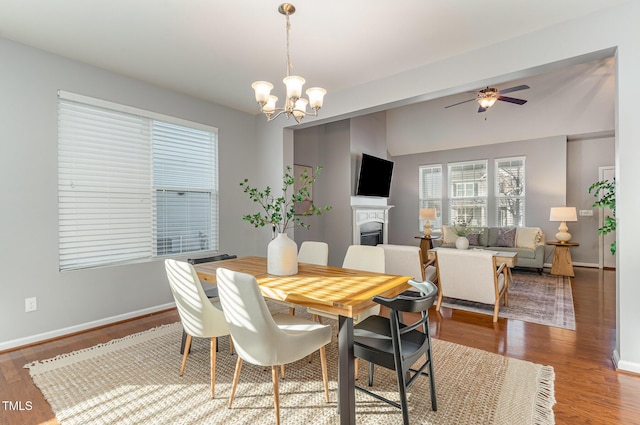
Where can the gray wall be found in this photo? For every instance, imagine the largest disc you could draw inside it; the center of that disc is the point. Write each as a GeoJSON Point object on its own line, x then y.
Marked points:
{"type": "Point", "coordinates": [328, 146]}
{"type": "Point", "coordinates": [73, 300]}
{"type": "Point", "coordinates": [546, 164]}
{"type": "Point", "coordinates": [585, 155]}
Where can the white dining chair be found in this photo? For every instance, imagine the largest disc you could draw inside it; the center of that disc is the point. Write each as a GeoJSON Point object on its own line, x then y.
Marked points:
{"type": "Point", "coordinates": [406, 260]}
{"type": "Point", "coordinates": [265, 340]}
{"type": "Point", "coordinates": [200, 316]}
{"type": "Point", "coordinates": [313, 252]}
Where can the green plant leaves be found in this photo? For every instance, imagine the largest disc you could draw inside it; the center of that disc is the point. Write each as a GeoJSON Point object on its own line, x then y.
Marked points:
{"type": "Point", "coordinates": [280, 211]}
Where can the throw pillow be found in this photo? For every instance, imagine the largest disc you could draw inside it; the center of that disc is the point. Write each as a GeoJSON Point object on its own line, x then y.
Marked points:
{"type": "Point", "coordinates": [528, 237]}
{"type": "Point", "coordinates": [506, 237]}
{"type": "Point", "coordinates": [474, 239]}
{"type": "Point", "coordinates": [448, 235]}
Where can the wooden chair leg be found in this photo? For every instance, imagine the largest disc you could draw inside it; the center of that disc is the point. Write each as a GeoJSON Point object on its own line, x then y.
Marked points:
{"type": "Point", "coordinates": [292, 311]}
{"type": "Point", "coordinates": [325, 377]}
{"type": "Point", "coordinates": [276, 393]}
{"type": "Point", "coordinates": [213, 366]}
{"type": "Point", "coordinates": [187, 346]}
{"type": "Point", "coordinates": [282, 371]}
{"type": "Point", "coordinates": [230, 345]}
{"type": "Point", "coordinates": [496, 308]}
{"type": "Point", "coordinates": [236, 377]}
{"type": "Point", "coordinates": [356, 363]}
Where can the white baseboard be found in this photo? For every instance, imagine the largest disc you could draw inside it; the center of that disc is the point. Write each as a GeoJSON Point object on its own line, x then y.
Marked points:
{"type": "Point", "coordinates": [7, 345]}
{"type": "Point", "coordinates": [624, 365]}
{"type": "Point", "coordinates": [592, 265]}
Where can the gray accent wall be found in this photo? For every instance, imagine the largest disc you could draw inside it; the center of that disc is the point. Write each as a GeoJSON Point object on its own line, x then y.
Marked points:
{"type": "Point", "coordinates": [546, 170]}
{"type": "Point", "coordinates": [75, 300]}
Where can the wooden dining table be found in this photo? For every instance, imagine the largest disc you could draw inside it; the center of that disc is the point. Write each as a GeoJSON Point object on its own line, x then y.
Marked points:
{"type": "Point", "coordinates": [334, 290]}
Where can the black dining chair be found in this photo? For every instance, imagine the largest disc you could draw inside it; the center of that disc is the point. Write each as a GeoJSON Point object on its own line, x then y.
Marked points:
{"type": "Point", "coordinates": [395, 345]}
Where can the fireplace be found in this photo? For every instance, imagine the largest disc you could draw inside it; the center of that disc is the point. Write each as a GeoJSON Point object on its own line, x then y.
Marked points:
{"type": "Point", "coordinates": [370, 224]}
{"type": "Point", "coordinates": [371, 233]}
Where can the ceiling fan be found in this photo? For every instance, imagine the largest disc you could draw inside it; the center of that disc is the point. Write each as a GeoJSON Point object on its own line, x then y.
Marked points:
{"type": "Point", "coordinates": [488, 96]}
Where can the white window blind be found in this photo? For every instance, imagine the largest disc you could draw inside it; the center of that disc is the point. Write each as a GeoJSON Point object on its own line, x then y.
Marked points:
{"type": "Point", "coordinates": [430, 188]}
{"type": "Point", "coordinates": [186, 200]}
{"type": "Point", "coordinates": [468, 193]}
{"type": "Point", "coordinates": [510, 191]}
{"type": "Point", "coordinates": [130, 183]}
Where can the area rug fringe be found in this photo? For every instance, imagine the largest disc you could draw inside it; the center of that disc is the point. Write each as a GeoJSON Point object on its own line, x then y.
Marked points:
{"type": "Point", "coordinates": [543, 411]}
{"type": "Point", "coordinates": [62, 360]}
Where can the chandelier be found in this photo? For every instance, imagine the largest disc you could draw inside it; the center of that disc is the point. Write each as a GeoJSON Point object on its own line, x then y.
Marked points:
{"type": "Point", "coordinates": [487, 97]}
{"type": "Point", "coordinates": [294, 103]}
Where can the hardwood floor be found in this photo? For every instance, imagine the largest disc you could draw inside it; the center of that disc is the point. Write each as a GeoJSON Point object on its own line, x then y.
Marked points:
{"type": "Point", "coordinates": [587, 388]}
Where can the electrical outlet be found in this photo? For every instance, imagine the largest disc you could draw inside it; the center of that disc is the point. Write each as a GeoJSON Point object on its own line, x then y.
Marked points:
{"type": "Point", "coordinates": [30, 304]}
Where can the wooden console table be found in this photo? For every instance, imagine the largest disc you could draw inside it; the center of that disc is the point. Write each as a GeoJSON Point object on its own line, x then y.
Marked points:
{"type": "Point", "coordinates": [562, 264]}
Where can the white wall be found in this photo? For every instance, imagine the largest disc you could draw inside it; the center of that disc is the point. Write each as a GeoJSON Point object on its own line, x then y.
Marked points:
{"type": "Point", "coordinates": [69, 301]}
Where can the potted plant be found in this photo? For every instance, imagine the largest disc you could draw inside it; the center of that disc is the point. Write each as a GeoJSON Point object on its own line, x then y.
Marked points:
{"type": "Point", "coordinates": [280, 213]}
{"type": "Point", "coordinates": [605, 192]}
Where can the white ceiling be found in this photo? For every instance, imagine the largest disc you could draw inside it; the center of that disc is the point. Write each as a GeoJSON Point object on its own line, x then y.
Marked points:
{"type": "Point", "coordinates": [214, 49]}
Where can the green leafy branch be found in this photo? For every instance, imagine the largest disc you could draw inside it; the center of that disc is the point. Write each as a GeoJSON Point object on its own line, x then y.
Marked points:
{"type": "Point", "coordinates": [279, 211]}
{"type": "Point", "coordinates": [605, 192]}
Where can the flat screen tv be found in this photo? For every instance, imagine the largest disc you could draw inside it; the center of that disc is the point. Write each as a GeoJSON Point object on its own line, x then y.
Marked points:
{"type": "Point", "coordinates": [375, 177]}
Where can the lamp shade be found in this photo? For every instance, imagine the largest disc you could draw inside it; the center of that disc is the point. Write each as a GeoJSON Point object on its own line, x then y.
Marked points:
{"type": "Point", "coordinates": [563, 214]}
{"type": "Point", "coordinates": [427, 213]}
{"type": "Point", "coordinates": [294, 86]}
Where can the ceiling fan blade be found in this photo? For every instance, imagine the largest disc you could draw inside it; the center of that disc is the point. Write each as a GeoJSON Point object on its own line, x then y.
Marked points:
{"type": "Point", "coordinates": [460, 103]}
{"type": "Point", "coordinates": [512, 100]}
{"type": "Point", "coordinates": [512, 89]}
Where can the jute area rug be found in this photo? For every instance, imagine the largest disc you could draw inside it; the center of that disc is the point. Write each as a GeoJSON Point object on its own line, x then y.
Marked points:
{"type": "Point", "coordinates": [544, 299]}
{"type": "Point", "coordinates": [134, 380]}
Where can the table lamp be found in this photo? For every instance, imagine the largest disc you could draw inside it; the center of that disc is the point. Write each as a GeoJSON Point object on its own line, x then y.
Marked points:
{"type": "Point", "coordinates": [563, 214]}
{"type": "Point", "coordinates": [427, 214]}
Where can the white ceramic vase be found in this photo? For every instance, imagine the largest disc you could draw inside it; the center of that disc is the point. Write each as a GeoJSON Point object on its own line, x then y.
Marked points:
{"type": "Point", "coordinates": [282, 256]}
{"type": "Point", "coordinates": [462, 242]}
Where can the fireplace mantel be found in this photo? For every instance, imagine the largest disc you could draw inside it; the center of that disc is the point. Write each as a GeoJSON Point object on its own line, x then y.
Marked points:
{"type": "Point", "coordinates": [370, 213]}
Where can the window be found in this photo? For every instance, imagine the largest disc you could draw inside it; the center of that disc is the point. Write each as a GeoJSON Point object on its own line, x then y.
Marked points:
{"type": "Point", "coordinates": [468, 193]}
{"type": "Point", "coordinates": [510, 193]}
{"type": "Point", "coordinates": [132, 184]}
{"type": "Point", "coordinates": [430, 186]}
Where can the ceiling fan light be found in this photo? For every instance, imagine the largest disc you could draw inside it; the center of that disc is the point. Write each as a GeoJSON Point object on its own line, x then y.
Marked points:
{"type": "Point", "coordinates": [487, 101]}
{"type": "Point", "coordinates": [262, 89]}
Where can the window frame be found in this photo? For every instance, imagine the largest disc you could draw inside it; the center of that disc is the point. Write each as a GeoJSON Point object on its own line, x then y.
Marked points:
{"type": "Point", "coordinates": [142, 253]}
{"type": "Point", "coordinates": [477, 203]}
{"type": "Point", "coordinates": [433, 201]}
{"type": "Point", "coordinates": [500, 197]}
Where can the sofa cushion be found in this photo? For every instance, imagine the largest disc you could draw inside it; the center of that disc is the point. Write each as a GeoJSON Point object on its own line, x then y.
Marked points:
{"type": "Point", "coordinates": [448, 235]}
{"type": "Point", "coordinates": [492, 236]}
{"type": "Point", "coordinates": [522, 252]}
{"type": "Point", "coordinates": [506, 238]}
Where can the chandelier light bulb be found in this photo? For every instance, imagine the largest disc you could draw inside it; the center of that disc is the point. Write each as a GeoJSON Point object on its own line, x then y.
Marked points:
{"type": "Point", "coordinates": [294, 87]}
{"type": "Point", "coordinates": [262, 89]}
{"type": "Point", "coordinates": [316, 96]}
